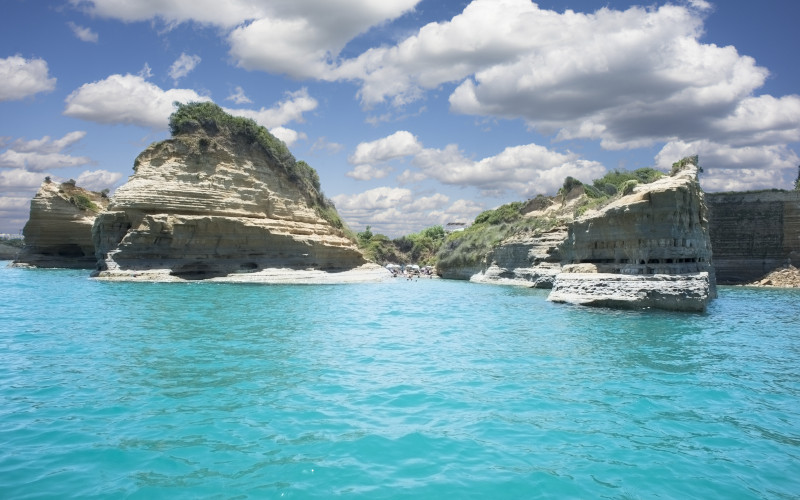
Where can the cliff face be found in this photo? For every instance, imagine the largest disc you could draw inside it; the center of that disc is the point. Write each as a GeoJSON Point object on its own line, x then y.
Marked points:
{"type": "Point", "coordinates": [661, 228]}
{"type": "Point", "coordinates": [59, 230]}
{"type": "Point", "coordinates": [753, 233]}
{"type": "Point", "coordinates": [203, 205]}
{"type": "Point", "coordinates": [529, 259]}
{"type": "Point", "coordinates": [648, 249]}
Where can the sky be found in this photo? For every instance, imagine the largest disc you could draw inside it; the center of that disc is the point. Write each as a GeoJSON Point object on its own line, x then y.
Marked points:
{"type": "Point", "coordinates": [414, 112]}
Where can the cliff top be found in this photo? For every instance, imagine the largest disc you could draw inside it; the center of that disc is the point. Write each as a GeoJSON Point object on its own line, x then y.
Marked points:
{"type": "Point", "coordinates": [84, 200]}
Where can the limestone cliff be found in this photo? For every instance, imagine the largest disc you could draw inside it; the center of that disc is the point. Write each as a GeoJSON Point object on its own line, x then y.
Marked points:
{"type": "Point", "coordinates": [216, 200]}
{"type": "Point", "coordinates": [59, 230]}
{"type": "Point", "coordinates": [630, 245]}
{"type": "Point", "coordinates": [753, 233]}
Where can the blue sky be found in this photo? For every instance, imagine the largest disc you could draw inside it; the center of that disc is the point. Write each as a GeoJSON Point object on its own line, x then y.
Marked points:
{"type": "Point", "coordinates": [414, 112]}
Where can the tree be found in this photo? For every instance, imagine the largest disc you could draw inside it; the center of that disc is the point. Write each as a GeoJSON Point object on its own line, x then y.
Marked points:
{"type": "Point", "coordinates": [365, 236]}
{"type": "Point", "coordinates": [797, 181]}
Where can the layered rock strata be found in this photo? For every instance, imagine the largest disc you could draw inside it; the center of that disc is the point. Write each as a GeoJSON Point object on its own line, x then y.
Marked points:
{"type": "Point", "coordinates": [59, 230]}
{"type": "Point", "coordinates": [529, 259]}
{"type": "Point", "coordinates": [753, 233]}
{"type": "Point", "coordinates": [207, 204]}
{"type": "Point", "coordinates": [656, 238]}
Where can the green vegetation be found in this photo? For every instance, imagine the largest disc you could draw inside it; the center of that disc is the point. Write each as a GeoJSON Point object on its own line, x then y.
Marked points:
{"type": "Point", "coordinates": [417, 248]}
{"type": "Point", "coordinates": [83, 202]}
{"type": "Point", "coordinates": [797, 181]}
{"type": "Point", "coordinates": [684, 162]}
{"type": "Point", "coordinates": [469, 247]}
{"type": "Point", "coordinates": [191, 117]}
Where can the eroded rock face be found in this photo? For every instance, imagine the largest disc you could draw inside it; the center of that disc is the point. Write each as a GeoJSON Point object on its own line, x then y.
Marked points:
{"type": "Point", "coordinates": [529, 259]}
{"type": "Point", "coordinates": [753, 233]}
{"type": "Point", "coordinates": [59, 230]}
{"type": "Point", "coordinates": [203, 205]}
{"type": "Point", "coordinates": [658, 234]}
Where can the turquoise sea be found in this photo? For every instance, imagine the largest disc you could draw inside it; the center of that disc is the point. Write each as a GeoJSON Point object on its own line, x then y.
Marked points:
{"type": "Point", "coordinates": [408, 389]}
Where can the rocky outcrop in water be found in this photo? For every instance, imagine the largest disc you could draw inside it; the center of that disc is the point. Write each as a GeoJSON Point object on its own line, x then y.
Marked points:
{"type": "Point", "coordinates": [650, 248]}
{"type": "Point", "coordinates": [59, 230]}
{"type": "Point", "coordinates": [221, 197]}
{"type": "Point", "coordinates": [753, 233]}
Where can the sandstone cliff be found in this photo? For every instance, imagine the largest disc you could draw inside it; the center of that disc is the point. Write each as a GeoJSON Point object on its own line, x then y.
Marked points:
{"type": "Point", "coordinates": [753, 233]}
{"type": "Point", "coordinates": [59, 230]}
{"type": "Point", "coordinates": [221, 197]}
{"type": "Point", "coordinates": [650, 248]}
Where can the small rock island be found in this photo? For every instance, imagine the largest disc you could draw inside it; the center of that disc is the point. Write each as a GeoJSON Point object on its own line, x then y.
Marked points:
{"type": "Point", "coordinates": [223, 199]}
{"type": "Point", "coordinates": [59, 229]}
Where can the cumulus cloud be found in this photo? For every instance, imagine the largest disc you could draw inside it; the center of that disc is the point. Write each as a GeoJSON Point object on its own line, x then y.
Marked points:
{"type": "Point", "coordinates": [401, 143]}
{"type": "Point", "coordinates": [84, 34]}
{"type": "Point", "coordinates": [368, 172]}
{"type": "Point", "coordinates": [183, 65]}
{"type": "Point", "coordinates": [398, 211]}
{"type": "Point", "coordinates": [524, 170]}
{"type": "Point", "coordinates": [19, 179]}
{"type": "Point", "coordinates": [20, 78]}
{"type": "Point", "coordinates": [290, 109]}
{"type": "Point", "coordinates": [300, 38]}
{"type": "Point", "coordinates": [735, 168]}
{"type": "Point", "coordinates": [97, 180]}
{"type": "Point", "coordinates": [238, 96]}
{"type": "Point", "coordinates": [126, 99]}
{"type": "Point", "coordinates": [40, 155]}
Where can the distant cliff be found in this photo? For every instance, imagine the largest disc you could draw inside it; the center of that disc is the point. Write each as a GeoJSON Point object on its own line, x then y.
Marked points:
{"type": "Point", "coordinates": [223, 196]}
{"type": "Point", "coordinates": [617, 243]}
{"type": "Point", "coordinates": [753, 233]}
{"type": "Point", "coordinates": [59, 230]}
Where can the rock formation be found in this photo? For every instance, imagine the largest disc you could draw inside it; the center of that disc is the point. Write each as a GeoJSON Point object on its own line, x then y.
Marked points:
{"type": "Point", "coordinates": [59, 230]}
{"type": "Point", "coordinates": [753, 233]}
{"type": "Point", "coordinates": [531, 259]}
{"type": "Point", "coordinates": [221, 197]}
{"type": "Point", "coordinates": [650, 248]}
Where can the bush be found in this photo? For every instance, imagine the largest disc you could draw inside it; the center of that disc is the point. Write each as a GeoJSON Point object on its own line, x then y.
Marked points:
{"type": "Point", "coordinates": [83, 202]}
{"type": "Point", "coordinates": [505, 213]}
{"type": "Point", "coordinates": [627, 187]}
{"type": "Point", "coordinates": [684, 162]}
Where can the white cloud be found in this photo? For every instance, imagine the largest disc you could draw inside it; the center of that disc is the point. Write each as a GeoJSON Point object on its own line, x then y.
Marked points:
{"type": "Point", "coordinates": [127, 99]}
{"type": "Point", "coordinates": [399, 211]}
{"type": "Point", "coordinates": [46, 144]}
{"type": "Point", "coordinates": [182, 66]}
{"type": "Point", "coordinates": [20, 78]}
{"type": "Point", "coordinates": [290, 109]}
{"type": "Point", "coordinates": [19, 179]}
{"type": "Point", "coordinates": [524, 170]}
{"type": "Point", "coordinates": [84, 34]}
{"type": "Point", "coordinates": [238, 96]}
{"type": "Point", "coordinates": [368, 172]}
{"type": "Point", "coordinates": [287, 135]}
{"type": "Point", "coordinates": [401, 143]}
{"type": "Point", "coordinates": [727, 168]}
{"type": "Point", "coordinates": [39, 155]}
{"type": "Point", "coordinates": [146, 71]}
{"type": "Point", "coordinates": [97, 180]}
{"type": "Point", "coordinates": [323, 144]}
{"type": "Point", "coordinates": [300, 38]}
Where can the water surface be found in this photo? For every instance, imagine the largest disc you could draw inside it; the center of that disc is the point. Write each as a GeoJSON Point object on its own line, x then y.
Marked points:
{"type": "Point", "coordinates": [416, 389]}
